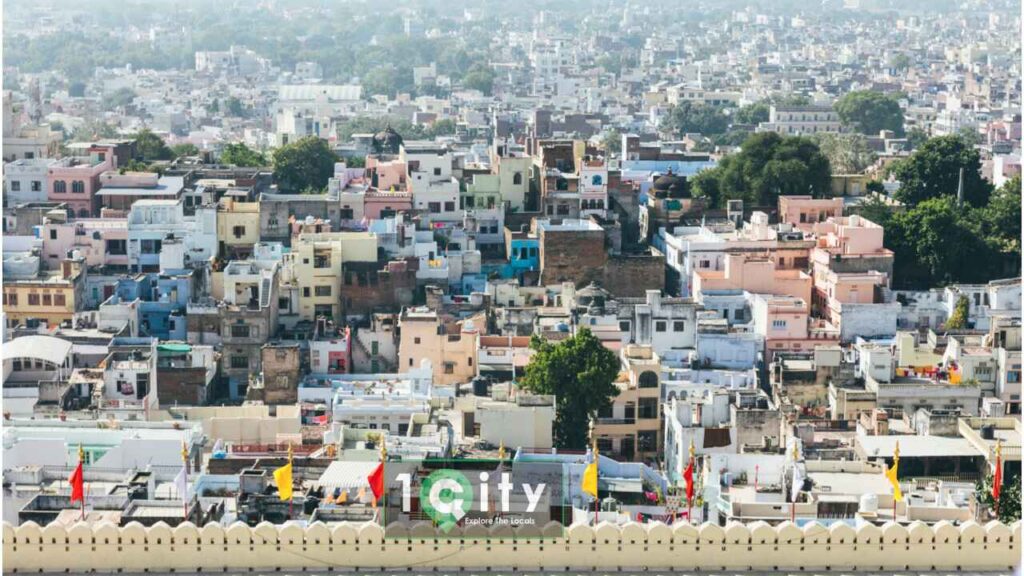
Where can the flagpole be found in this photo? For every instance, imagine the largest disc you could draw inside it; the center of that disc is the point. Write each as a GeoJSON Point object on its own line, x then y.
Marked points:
{"type": "Point", "coordinates": [689, 498]}
{"type": "Point", "coordinates": [81, 462]}
{"type": "Point", "coordinates": [597, 470]}
{"type": "Point", "coordinates": [383, 476]}
{"type": "Point", "coordinates": [291, 470]}
{"type": "Point", "coordinates": [792, 507]}
{"type": "Point", "coordinates": [184, 496]}
{"type": "Point", "coordinates": [895, 463]}
{"type": "Point", "coordinates": [998, 477]}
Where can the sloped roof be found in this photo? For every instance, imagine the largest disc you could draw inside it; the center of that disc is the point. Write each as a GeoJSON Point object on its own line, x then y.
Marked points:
{"type": "Point", "coordinates": [48, 348]}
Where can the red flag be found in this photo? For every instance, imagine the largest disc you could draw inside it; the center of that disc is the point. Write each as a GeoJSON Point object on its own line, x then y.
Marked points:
{"type": "Point", "coordinates": [376, 480]}
{"type": "Point", "coordinates": [998, 479]}
{"type": "Point", "coordinates": [688, 476]}
{"type": "Point", "coordinates": [77, 481]}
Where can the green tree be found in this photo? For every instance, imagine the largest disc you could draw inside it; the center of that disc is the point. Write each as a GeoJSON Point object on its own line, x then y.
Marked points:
{"type": "Point", "coordinates": [233, 107]}
{"type": "Point", "coordinates": [1009, 498]}
{"type": "Point", "coordinates": [961, 311]}
{"type": "Point", "coordinates": [480, 77]}
{"type": "Point", "coordinates": [150, 147]}
{"type": "Point", "coordinates": [846, 153]}
{"type": "Point", "coordinates": [1000, 219]}
{"type": "Point", "coordinates": [753, 113]}
{"type": "Point", "coordinates": [612, 142]}
{"type": "Point", "coordinates": [875, 209]}
{"type": "Point", "coordinates": [307, 163]}
{"type": "Point", "coordinates": [916, 137]}
{"type": "Point", "coordinates": [768, 165]}
{"type": "Point", "coordinates": [214, 107]}
{"type": "Point", "coordinates": [185, 149]}
{"type": "Point", "coordinates": [933, 171]}
{"type": "Point", "coordinates": [936, 242]}
{"type": "Point", "coordinates": [900, 61]}
{"type": "Point", "coordinates": [581, 373]}
{"type": "Point", "coordinates": [121, 97]}
{"type": "Point", "coordinates": [687, 117]}
{"type": "Point", "coordinates": [241, 155]}
{"type": "Point", "coordinates": [870, 112]}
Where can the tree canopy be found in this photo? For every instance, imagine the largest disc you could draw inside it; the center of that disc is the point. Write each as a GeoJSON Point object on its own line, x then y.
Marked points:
{"type": "Point", "coordinates": [306, 164]}
{"type": "Point", "coordinates": [870, 112]}
{"type": "Point", "coordinates": [150, 147]}
{"type": "Point", "coordinates": [241, 155]}
{"type": "Point", "coordinates": [768, 165]}
{"type": "Point", "coordinates": [581, 373]}
{"type": "Point", "coordinates": [480, 77]}
{"type": "Point", "coordinates": [846, 153]}
{"type": "Point", "coordinates": [933, 171]}
{"type": "Point", "coordinates": [687, 117]}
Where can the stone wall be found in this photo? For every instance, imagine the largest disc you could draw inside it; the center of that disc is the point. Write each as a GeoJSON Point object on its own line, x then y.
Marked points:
{"type": "Point", "coordinates": [133, 548]}
{"type": "Point", "coordinates": [572, 256]}
{"type": "Point", "coordinates": [633, 275]}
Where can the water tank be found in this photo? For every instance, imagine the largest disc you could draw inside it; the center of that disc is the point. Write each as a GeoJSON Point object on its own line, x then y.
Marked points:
{"type": "Point", "coordinates": [726, 478]}
{"type": "Point", "coordinates": [869, 503]}
{"type": "Point", "coordinates": [988, 432]}
{"type": "Point", "coordinates": [481, 387]}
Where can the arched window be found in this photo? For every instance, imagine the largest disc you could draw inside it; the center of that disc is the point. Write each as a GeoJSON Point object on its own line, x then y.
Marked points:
{"type": "Point", "coordinates": [517, 178]}
{"type": "Point", "coordinates": [596, 180]}
{"type": "Point", "coordinates": [60, 187]}
{"type": "Point", "coordinates": [648, 379]}
{"type": "Point", "coordinates": [78, 187]}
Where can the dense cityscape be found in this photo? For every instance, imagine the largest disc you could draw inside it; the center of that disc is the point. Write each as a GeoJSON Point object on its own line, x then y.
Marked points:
{"type": "Point", "coordinates": [427, 285]}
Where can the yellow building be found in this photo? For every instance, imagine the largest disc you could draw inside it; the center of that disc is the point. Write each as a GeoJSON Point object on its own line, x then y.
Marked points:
{"type": "Point", "coordinates": [451, 347]}
{"type": "Point", "coordinates": [631, 428]}
{"type": "Point", "coordinates": [52, 297]}
{"type": "Point", "coordinates": [315, 270]}
{"type": "Point", "coordinates": [238, 228]}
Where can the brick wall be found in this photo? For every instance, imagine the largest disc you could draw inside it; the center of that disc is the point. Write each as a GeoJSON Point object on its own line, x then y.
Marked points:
{"type": "Point", "coordinates": [181, 386]}
{"type": "Point", "coordinates": [575, 256]}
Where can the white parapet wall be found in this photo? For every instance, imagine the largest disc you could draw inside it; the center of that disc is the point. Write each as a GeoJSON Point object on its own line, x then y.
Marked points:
{"type": "Point", "coordinates": [757, 546]}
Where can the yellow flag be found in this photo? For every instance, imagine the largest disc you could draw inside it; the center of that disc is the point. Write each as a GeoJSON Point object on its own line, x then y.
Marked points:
{"type": "Point", "coordinates": [589, 485]}
{"type": "Point", "coordinates": [283, 478]}
{"type": "Point", "coordinates": [893, 475]}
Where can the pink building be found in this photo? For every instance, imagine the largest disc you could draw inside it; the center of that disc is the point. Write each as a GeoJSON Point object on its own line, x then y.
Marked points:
{"type": "Point", "coordinates": [804, 211]}
{"type": "Point", "coordinates": [786, 325]}
{"type": "Point", "coordinates": [101, 241]}
{"type": "Point", "coordinates": [755, 274]}
{"type": "Point", "coordinates": [386, 174]}
{"type": "Point", "coordinates": [78, 181]}
{"type": "Point", "coordinates": [379, 204]}
{"type": "Point", "coordinates": [850, 265]}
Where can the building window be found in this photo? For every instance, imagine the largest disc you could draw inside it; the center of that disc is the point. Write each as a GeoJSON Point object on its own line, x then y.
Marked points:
{"type": "Point", "coordinates": [239, 362]}
{"type": "Point", "coordinates": [238, 231]}
{"type": "Point", "coordinates": [437, 171]}
{"type": "Point", "coordinates": [239, 331]}
{"type": "Point", "coordinates": [282, 303]}
{"type": "Point", "coordinates": [53, 233]}
{"type": "Point", "coordinates": [434, 207]}
{"type": "Point", "coordinates": [151, 246]}
{"type": "Point", "coordinates": [660, 326]}
{"type": "Point", "coordinates": [647, 408]}
{"type": "Point", "coordinates": [78, 187]}
{"type": "Point", "coordinates": [323, 290]}
{"type": "Point", "coordinates": [416, 340]}
{"type": "Point", "coordinates": [778, 324]}
{"type": "Point", "coordinates": [449, 206]}
{"type": "Point", "coordinates": [624, 326]}
{"type": "Point", "coordinates": [15, 186]}
{"type": "Point", "coordinates": [648, 379]}
{"type": "Point", "coordinates": [306, 292]}
{"type": "Point", "coordinates": [517, 179]}
{"type": "Point", "coordinates": [33, 299]}
{"type": "Point", "coordinates": [37, 186]}
{"type": "Point", "coordinates": [47, 300]}
{"type": "Point", "coordinates": [60, 187]}
{"type": "Point", "coordinates": [345, 214]}
{"type": "Point", "coordinates": [449, 367]}
{"type": "Point", "coordinates": [596, 180]}
{"type": "Point", "coordinates": [11, 299]}
{"type": "Point", "coordinates": [59, 300]}
{"type": "Point", "coordinates": [679, 326]}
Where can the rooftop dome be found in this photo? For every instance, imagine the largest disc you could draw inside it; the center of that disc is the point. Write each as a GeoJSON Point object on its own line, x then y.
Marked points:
{"type": "Point", "coordinates": [387, 141]}
{"type": "Point", "coordinates": [672, 186]}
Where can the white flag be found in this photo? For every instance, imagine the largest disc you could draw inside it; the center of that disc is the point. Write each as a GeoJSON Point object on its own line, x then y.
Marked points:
{"type": "Point", "coordinates": [798, 480]}
{"type": "Point", "coordinates": [181, 484]}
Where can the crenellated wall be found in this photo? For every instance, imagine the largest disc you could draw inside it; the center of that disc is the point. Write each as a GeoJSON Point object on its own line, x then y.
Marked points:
{"type": "Point", "coordinates": [756, 546]}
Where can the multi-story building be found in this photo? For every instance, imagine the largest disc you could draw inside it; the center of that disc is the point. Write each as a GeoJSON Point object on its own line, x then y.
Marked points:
{"type": "Point", "coordinates": [238, 228]}
{"type": "Point", "coordinates": [152, 222]}
{"type": "Point", "coordinates": [429, 177]}
{"type": "Point", "coordinates": [77, 180]}
{"type": "Point", "coordinates": [801, 120]}
{"type": "Point", "coordinates": [631, 427]}
{"type": "Point", "coordinates": [26, 181]}
{"type": "Point", "coordinates": [450, 347]}
{"type": "Point", "coordinates": [51, 298]}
